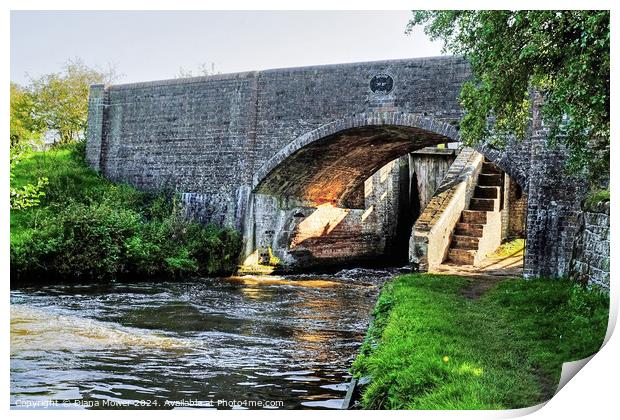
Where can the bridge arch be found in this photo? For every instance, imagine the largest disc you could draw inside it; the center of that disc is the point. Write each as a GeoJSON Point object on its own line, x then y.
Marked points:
{"type": "Point", "coordinates": [331, 166]}
{"type": "Point", "coordinates": [221, 140]}
{"type": "Point", "coordinates": [389, 135]}
{"type": "Point", "coordinates": [331, 162]}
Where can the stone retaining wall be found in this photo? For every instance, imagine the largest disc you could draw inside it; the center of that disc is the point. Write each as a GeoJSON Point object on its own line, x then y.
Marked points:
{"type": "Point", "coordinates": [590, 259]}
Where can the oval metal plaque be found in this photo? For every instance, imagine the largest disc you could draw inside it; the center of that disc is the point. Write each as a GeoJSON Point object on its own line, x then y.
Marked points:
{"type": "Point", "coordinates": [381, 84]}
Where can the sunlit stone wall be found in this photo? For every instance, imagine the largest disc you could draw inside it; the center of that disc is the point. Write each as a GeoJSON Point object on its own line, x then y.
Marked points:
{"type": "Point", "coordinates": [590, 257]}
{"type": "Point", "coordinates": [305, 236]}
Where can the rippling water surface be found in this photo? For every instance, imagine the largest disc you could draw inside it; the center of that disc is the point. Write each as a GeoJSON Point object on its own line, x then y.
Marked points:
{"type": "Point", "coordinates": [211, 342]}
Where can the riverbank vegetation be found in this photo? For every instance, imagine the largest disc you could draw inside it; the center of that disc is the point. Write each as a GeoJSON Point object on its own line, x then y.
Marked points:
{"type": "Point", "coordinates": [562, 55]}
{"type": "Point", "coordinates": [595, 197]}
{"type": "Point", "coordinates": [86, 228]}
{"type": "Point", "coordinates": [432, 346]}
{"type": "Point", "coordinates": [70, 224]}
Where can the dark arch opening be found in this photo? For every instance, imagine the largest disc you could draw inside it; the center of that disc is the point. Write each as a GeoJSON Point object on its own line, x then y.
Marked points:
{"type": "Point", "coordinates": [331, 196]}
{"type": "Point", "coordinates": [334, 168]}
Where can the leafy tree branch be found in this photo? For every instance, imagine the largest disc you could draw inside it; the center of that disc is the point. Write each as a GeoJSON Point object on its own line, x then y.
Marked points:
{"type": "Point", "coordinates": [562, 56]}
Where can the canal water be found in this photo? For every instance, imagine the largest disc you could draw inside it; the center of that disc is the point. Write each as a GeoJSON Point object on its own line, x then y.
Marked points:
{"type": "Point", "coordinates": [239, 342]}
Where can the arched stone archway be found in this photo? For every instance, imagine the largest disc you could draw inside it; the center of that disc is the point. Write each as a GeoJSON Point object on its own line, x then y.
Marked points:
{"type": "Point", "coordinates": [331, 163]}
{"type": "Point", "coordinates": [330, 166]}
{"type": "Point", "coordinates": [337, 157]}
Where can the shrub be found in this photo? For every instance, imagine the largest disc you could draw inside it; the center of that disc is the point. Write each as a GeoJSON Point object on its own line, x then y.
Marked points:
{"type": "Point", "coordinates": [81, 241]}
{"type": "Point", "coordinates": [88, 228]}
{"type": "Point", "coordinates": [595, 197]}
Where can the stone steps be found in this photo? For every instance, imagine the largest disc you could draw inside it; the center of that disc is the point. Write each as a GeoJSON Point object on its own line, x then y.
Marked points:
{"type": "Point", "coordinates": [474, 216]}
{"type": "Point", "coordinates": [483, 204]}
{"type": "Point", "coordinates": [461, 256]}
{"type": "Point", "coordinates": [490, 180]}
{"type": "Point", "coordinates": [464, 242]}
{"type": "Point", "coordinates": [486, 192]}
{"type": "Point", "coordinates": [490, 168]}
{"type": "Point", "coordinates": [469, 229]}
{"type": "Point", "coordinates": [468, 232]}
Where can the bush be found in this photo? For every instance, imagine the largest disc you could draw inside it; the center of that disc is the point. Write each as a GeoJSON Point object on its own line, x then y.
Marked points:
{"type": "Point", "coordinates": [87, 228]}
{"type": "Point", "coordinates": [81, 241]}
{"type": "Point", "coordinates": [595, 197]}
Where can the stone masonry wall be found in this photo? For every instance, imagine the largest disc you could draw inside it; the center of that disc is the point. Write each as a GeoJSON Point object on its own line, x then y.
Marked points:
{"type": "Point", "coordinates": [303, 236]}
{"type": "Point", "coordinates": [191, 136]}
{"type": "Point", "coordinates": [207, 137]}
{"type": "Point", "coordinates": [517, 210]}
{"type": "Point", "coordinates": [553, 209]}
{"type": "Point", "coordinates": [590, 257]}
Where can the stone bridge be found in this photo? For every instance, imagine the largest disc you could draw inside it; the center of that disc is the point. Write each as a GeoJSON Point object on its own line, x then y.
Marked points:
{"type": "Point", "coordinates": [267, 152]}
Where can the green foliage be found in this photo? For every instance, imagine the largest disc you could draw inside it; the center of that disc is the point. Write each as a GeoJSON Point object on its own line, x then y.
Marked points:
{"type": "Point", "coordinates": [81, 241]}
{"type": "Point", "coordinates": [511, 248]}
{"type": "Point", "coordinates": [430, 347]}
{"type": "Point", "coordinates": [60, 100]}
{"type": "Point", "coordinates": [23, 126]}
{"type": "Point", "coordinates": [87, 228]}
{"type": "Point", "coordinates": [56, 101]}
{"type": "Point", "coordinates": [562, 55]}
{"type": "Point", "coordinates": [182, 263]}
{"type": "Point", "coordinates": [23, 133]}
{"type": "Point", "coordinates": [28, 195]}
{"type": "Point", "coordinates": [595, 197]}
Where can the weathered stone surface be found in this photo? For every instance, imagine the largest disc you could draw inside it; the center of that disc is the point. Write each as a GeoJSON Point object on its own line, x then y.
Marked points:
{"type": "Point", "coordinates": [553, 210]}
{"type": "Point", "coordinates": [304, 235]}
{"type": "Point", "coordinates": [422, 164]}
{"type": "Point", "coordinates": [590, 257]}
{"type": "Point", "coordinates": [310, 135]}
{"type": "Point", "coordinates": [516, 211]}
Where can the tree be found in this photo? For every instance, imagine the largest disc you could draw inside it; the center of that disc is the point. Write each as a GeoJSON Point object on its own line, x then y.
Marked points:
{"type": "Point", "coordinates": [24, 131]}
{"type": "Point", "coordinates": [561, 57]}
{"type": "Point", "coordinates": [56, 101]}
{"type": "Point", "coordinates": [203, 70]}
{"type": "Point", "coordinates": [23, 126]}
{"type": "Point", "coordinates": [60, 100]}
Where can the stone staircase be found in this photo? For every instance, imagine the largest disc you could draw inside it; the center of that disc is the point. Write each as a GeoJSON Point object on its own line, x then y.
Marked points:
{"type": "Point", "coordinates": [472, 235]}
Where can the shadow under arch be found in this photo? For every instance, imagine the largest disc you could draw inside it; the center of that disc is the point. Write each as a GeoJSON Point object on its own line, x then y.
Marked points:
{"type": "Point", "coordinates": [330, 164]}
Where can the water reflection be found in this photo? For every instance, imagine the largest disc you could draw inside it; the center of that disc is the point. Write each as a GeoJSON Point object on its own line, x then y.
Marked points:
{"type": "Point", "coordinates": [244, 338]}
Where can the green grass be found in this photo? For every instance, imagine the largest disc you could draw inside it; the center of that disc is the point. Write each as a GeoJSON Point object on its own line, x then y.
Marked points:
{"type": "Point", "coordinates": [431, 348]}
{"type": "Point", "coordinates": [514, 247]}
{"type": "Point", "coordinates": [87, 228]}
{"type": "Point", "coordinates": [595, 197]}
{"type": "Point", "coordinates": [70, 181]}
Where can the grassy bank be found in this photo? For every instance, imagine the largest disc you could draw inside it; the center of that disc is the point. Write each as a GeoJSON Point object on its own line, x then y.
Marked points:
{"type": "Point", "coordinates": [430, 347]}
{"type": "Point", "coordinates": [87, 228]}
{"type": "Point", "coordinates": [512, 248]}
